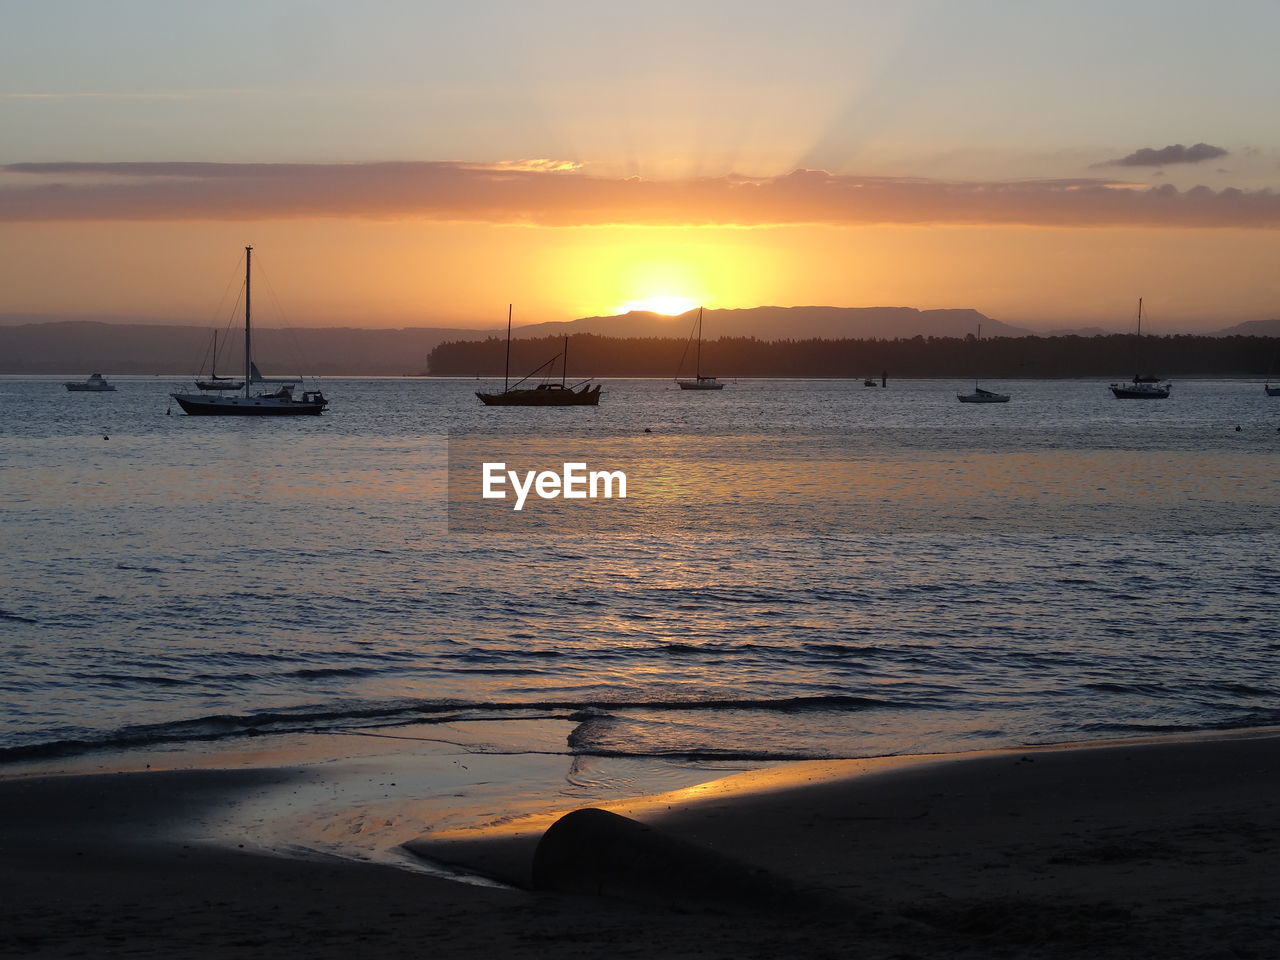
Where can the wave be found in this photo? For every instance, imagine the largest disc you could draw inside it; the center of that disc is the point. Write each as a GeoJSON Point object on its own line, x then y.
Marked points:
{"type": "Point", "coordinates": [1254, 718]}
{"type": "Point", "coordinates": [847, 649]}
{"type": "Point", "coordinates": [707, 754]}
{"type": "Point", "coordinates": [316, 673]}
{"type": "Point", "coordinates": [129, 680]}
{"type": "Point", "coordinates": [1146, 689]}
{"type": "Point", "coordinates": [343, 718]}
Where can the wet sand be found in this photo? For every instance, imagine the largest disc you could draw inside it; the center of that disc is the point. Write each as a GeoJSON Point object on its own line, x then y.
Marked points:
{"type": "Point", "coordinates": [1155, 849]}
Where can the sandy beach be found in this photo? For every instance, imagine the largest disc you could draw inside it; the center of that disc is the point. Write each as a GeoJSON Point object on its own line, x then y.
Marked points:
{"type": "Point", "coordinates": [1137, 849]}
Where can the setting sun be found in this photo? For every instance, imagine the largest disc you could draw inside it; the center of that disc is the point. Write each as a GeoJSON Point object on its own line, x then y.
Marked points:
{"type": "Point", "coordinates": [671, 306]}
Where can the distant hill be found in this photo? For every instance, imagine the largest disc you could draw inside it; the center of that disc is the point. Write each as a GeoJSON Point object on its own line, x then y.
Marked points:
{"type": "Point", "coordinates": [1253, 328]}
{"type": "Point", "coordinates": [788, 323]}
{"type": "Point", "coordinates": [82, 347]}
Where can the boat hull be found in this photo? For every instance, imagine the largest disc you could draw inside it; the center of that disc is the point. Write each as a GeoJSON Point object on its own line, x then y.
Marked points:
{"type": "Point", "coordinates": [586, 397]}
{"type": "Point", "coordinates": [982, 398]}
{"type": "Point", "coordinates": [197, 405]}
{"type": "Point", "coordinates": [94, 384]}
{"type": "Point", "coordinates": [1272, 391]}
{"type": "Point", "coordinates": [700, 384]}
{"type": "Point", "coordinates": [1139, 391]}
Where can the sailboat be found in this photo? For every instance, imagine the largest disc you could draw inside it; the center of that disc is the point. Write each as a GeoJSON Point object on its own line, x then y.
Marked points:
{"type": "Point", "coordinates": [699, 382]}
{"type": "Point", "coordinates": [544, 394]}
{"type": "Point", "coordinates": [279, 403]}
{"type": "Point", "coordinates": [980, 395]}
{"type": "Point", "coordinates": [1143, 386]}
{"type": "Point", "coordinates": [215, 382]}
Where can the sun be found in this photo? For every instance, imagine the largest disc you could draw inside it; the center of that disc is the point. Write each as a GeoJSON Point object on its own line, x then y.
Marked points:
{"type": "Point", "coordinates": [670, 306]}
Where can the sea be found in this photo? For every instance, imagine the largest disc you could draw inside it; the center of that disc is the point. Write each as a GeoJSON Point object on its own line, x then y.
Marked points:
{"type": "Point", "coordinates": [802, 569]}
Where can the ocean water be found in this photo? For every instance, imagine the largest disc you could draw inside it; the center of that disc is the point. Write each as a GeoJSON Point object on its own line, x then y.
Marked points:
{"type": "Point", "coordinates": [802, 569]}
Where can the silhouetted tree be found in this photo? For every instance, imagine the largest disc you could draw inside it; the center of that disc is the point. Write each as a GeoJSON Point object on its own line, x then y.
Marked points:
{"type": "Point", "coordinates": [1115, 356]}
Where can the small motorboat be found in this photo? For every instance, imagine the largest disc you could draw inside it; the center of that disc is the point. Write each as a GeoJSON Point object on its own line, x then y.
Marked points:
{"type": "Point", "coordinates": [97, 383]}
{"type": "Point", "coordinates": [1141, 388]}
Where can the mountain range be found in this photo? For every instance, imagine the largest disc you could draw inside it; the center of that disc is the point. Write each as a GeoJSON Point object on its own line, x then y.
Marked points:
{"type": "Point", "coordinates": [788, 323]}
{"type": "Point", "coordinates": [81, 346]}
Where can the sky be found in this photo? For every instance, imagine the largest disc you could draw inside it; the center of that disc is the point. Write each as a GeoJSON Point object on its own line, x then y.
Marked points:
{"type": "Point", "coordinates": [425, 164]}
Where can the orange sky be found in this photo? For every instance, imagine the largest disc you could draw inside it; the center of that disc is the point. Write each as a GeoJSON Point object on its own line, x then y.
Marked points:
{"type": "Point", "coordinates": [421, 273]}
{"type": "Point", "coordinates": [417, 164]}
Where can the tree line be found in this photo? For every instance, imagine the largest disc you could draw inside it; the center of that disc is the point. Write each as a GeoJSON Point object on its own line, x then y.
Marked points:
{"type": "Point", "coordinates": [1116, 355]}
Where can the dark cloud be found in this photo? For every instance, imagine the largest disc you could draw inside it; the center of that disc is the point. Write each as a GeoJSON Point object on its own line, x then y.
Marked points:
{"type": "Point", "coordinates": [1174, 153]}
{"type": "Point", "coordinates": [532, 192]}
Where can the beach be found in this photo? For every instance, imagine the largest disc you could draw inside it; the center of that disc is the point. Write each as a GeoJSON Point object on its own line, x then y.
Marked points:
{"type": "Point", "coordinates": [1151, 848]}
{"type": "Point", "coordinates": [288, 711]}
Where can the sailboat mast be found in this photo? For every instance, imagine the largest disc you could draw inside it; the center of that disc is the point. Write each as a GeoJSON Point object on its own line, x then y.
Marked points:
{"type": "Point", "coordinates": [1137, 346]}
{"type": "Point", "coordinates": [564, 366]}
{"type": "Point", "coordinates": [975, 366]}
{"type": "Point", "coordinates": [506, 371]}
{"type": "Point", "coordinates": [248, 341]}
{"type": "Point", "coordinates": [697, 357]}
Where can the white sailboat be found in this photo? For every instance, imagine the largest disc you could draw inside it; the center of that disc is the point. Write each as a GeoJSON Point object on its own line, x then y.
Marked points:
{"type": "Point", "coordinates": [698, 382]}
{"type": "Point", "coordinates": [279, 403]}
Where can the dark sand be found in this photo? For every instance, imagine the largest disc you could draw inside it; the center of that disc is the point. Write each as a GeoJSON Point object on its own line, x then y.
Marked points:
{"type": "Point", "coordinates": [1132, 850]}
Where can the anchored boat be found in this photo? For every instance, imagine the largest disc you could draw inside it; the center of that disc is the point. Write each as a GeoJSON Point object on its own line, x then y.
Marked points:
{"type": "Point", "coordinates": [277, 403]}
{"type": "Point", "coordinates": [980, 395]}
{"type": "Point", "coordinates": [96, 383]}
{"type": "Point", "coordinates": [698, 382]}
{"type": "Point", "coordinates": [215, 382]}
{"type": "Point", "coordinates": [546, 394]}
{"type": "Point", "coordinates": [1143, 386]}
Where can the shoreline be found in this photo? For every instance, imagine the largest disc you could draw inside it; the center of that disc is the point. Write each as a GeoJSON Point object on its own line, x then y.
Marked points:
{"type": "Point", "coordinates": [1152, 847]}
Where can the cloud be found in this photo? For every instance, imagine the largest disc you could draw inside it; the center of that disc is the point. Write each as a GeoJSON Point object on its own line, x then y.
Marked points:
{"type": "Point", "coordinates": [1174, 153]}
{"type": "Point", "coordinates": [550, 195]}
{"type": "Point", "coordinates": [542, 165]}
